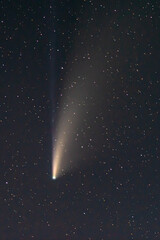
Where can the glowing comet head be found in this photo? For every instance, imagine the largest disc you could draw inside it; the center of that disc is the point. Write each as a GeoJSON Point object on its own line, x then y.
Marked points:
{"type": "Point", "coordinates": [54, 177]}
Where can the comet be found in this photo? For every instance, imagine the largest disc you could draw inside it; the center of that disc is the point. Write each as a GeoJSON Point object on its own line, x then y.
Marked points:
{"type": "Point", "coordinates": [79, 110]}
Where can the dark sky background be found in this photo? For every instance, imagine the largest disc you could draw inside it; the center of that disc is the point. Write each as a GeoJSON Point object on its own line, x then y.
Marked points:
{"type": "Point", "coordinates": [115, 193]}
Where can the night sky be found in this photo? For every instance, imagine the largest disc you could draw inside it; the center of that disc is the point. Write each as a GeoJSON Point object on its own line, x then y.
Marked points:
{"type": "Point", "coordinates": [92, 69]}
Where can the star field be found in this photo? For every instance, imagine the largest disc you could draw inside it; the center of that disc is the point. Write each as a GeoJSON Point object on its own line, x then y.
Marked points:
{"type": "Point", "coordinates": [92, 66]}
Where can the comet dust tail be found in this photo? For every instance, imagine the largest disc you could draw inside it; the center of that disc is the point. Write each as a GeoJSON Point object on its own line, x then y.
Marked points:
{"type": "Point", "coordinates": [57, 159]}
{"type": "Point", "coordinates": [55, 164]}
